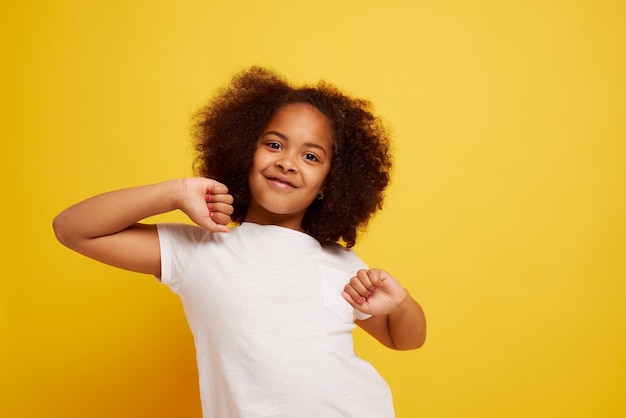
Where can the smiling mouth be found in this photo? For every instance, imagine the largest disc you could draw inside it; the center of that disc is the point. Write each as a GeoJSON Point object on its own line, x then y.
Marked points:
{"type": "Point", "coordinates": [280, 183]}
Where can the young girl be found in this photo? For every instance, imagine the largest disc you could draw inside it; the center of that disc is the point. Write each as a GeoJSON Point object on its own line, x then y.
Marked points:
{"type": "Point", "coordinates": [271, 302]}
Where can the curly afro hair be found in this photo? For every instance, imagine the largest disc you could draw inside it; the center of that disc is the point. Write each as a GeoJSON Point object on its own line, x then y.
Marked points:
{"type": "Point", "coordinates": [227, 128]}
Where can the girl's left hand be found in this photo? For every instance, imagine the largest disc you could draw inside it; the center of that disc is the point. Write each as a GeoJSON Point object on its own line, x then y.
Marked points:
{"type": "Point", "coordinates": [374, 292]}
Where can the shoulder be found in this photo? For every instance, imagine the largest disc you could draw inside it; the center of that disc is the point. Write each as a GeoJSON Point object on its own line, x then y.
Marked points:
{"type": "Point", "coordinates": [344, 256]}
{"type": "Point", "coordinates": [339, 250]}
{"type": "Point", "coordinates": [183, 232]}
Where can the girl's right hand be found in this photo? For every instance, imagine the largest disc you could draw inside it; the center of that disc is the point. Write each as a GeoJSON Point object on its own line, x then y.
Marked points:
{"type": "Point", "coordinates": [207, 203]}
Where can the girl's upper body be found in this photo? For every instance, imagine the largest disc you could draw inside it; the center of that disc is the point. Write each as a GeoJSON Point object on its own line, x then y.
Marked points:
{"type": "Point", "coordinates": [271, 329]}
{"type": "Point", "coordinates": [272, 303]}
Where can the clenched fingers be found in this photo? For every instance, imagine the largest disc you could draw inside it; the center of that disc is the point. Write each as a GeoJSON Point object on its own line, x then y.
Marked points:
{"type": "Point", "coordinates": [219, 204]}
{"type": "Point", "coordinates": [363, 286]}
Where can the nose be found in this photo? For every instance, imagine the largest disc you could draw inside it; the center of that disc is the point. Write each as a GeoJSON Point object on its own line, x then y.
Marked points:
{"type": "Point", "coordinates": [286, 164]}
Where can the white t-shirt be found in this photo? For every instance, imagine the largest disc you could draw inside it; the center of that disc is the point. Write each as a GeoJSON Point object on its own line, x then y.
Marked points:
{"type": "Point", "coordinates": [273, 334]}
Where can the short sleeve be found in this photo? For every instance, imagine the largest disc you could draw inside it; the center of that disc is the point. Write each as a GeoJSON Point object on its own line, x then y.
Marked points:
{"type": "Point", "coordinates": [178, 244]}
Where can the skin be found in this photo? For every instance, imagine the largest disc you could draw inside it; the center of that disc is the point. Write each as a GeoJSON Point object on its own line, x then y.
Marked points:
{"type": "Point", "coordinates": [290, 165]}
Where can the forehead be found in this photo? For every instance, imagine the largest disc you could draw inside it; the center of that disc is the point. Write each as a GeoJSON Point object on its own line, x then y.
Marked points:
{"type": "Point", "coordinates": [301, 120]}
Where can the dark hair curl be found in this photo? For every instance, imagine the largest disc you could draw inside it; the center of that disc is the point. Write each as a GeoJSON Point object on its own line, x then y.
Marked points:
{"type": "Point", "coordinates": [227, 128]}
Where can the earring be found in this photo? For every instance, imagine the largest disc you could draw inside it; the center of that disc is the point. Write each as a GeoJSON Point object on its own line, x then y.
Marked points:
{"type": "Point", "coordinates": [320, 196]}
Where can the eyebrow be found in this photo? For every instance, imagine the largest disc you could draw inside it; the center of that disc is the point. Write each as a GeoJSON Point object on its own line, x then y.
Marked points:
{"type": "Point", "coordinates": [308, 144]}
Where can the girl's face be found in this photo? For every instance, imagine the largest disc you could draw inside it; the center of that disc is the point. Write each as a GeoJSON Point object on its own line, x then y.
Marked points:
{"type": "Point", "coordinates": [289, 166]}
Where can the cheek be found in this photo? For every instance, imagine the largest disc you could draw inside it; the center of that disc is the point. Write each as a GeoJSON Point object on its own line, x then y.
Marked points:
{"type": "Point", "coordinates": [316, 177]}
{"type": "Point", "coordinates": [260, 160]}
{"type": "Point", "coordinates": [256, 165]}
{"type": "Point", "coordinates": [324, 176]}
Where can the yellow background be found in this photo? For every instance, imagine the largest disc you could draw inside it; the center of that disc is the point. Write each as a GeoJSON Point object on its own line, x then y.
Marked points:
{"type": "Point", "coordinates": [506, 217]}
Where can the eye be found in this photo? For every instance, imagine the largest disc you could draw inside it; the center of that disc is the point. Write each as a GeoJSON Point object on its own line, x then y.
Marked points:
{"type": "Point", "coordinates": [311, 157]}
{"type": "Point", "coordinates": [273, 145]}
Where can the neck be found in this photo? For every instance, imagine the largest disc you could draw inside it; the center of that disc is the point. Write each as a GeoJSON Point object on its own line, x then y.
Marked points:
{"type": "Point", "coordinates": [286, 221]}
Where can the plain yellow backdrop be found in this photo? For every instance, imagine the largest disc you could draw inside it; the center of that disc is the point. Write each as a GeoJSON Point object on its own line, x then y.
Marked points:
{"type": "Point", "coordinates": [505, 219]}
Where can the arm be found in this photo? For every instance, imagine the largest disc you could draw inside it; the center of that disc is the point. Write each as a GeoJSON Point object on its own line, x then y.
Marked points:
{"type": "Point", "coordinates": [106, 227]}
{"type": "Point", "coordinates": [397, 320]}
